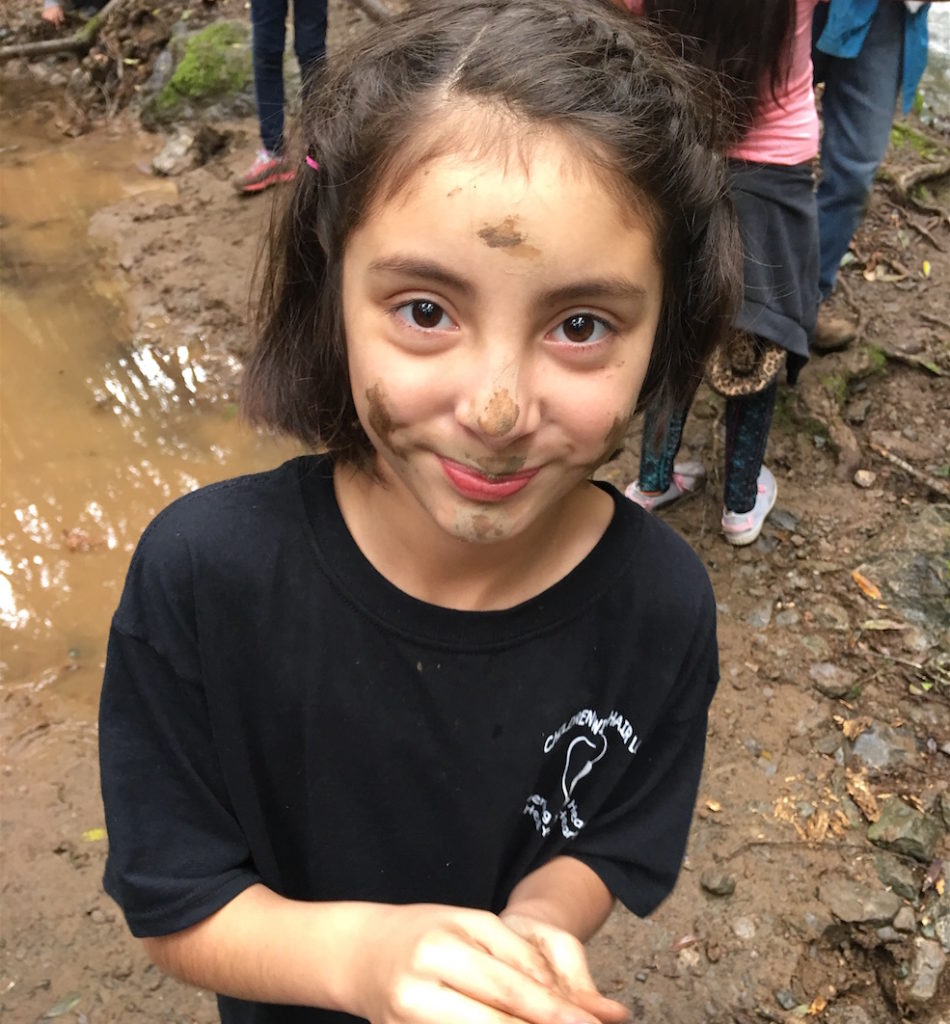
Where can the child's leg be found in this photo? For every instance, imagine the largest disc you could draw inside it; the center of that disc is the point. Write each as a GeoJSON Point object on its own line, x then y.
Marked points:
{"type": "Point", "coordinates": [748, 419]}
{"type": "Point", "coordinates": [310, 35]}
{"type": "Point", "coordinates": [268, 24]}
{"type": "Point", "coordinates": [659, 448]}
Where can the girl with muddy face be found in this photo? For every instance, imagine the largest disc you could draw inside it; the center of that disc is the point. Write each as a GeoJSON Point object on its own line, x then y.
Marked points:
{"type": "Point", "coordinates": [425, 702]}
{"type": "Point", "coordinates": [501, 242]}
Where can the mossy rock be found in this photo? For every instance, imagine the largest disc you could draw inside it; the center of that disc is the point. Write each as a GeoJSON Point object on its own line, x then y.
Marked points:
{"type": "Point", "coordinates": [215, 65]}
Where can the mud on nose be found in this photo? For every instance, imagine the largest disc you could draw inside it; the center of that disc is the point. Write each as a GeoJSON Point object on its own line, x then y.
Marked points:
{"type": "Point", "coordinates": [499, 415]}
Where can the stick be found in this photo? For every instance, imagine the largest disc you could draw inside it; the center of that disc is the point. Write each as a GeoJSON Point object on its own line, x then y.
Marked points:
{"type": "Point", "coordinates": [921, 230]}
{"type": "Point", "coordinates": [78, 42]}
{"type": "Point", "coordinates": [911, 360]}
{"type": "Point", "coordinates": [938, 486]}
{"type": "Point", "coordinates": [935, 320]}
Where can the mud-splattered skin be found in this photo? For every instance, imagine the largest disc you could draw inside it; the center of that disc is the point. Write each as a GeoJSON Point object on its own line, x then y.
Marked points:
{"type": "Point", "coordinates": [380, 419]}
{"type": "Point", "coordinates": [500, 414]}
{"type": "Point", "coordinates": [506, 235]}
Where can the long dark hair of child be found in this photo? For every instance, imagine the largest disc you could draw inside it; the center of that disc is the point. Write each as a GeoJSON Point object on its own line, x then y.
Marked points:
{"type": "Point", "coordinates": [746, 42]}
{"type": "Point", "coordinates": [610, 84]}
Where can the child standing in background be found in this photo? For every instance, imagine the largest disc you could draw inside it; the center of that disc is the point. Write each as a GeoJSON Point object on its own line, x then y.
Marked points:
{"type": "Point", "coordinates": [762, 51]}
{"type": "Point", "coordinates": [385, 731]}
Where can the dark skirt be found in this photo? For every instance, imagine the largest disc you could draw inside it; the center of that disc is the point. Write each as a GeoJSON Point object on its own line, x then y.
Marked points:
{"type": "Point", "coordinates": [778, 220]}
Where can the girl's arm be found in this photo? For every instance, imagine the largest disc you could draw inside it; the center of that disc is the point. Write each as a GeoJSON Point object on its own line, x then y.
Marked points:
{"type": "Point", "coordinates": [416, 964]}
{"type": "Point", "coordinates": [557, 908]}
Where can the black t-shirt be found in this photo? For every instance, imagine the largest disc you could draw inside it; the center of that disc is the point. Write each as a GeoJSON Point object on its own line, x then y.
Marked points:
{"type": "Point", "coordinates": [276, 711]}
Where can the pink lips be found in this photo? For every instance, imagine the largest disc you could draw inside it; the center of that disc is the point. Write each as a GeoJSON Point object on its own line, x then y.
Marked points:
{"type": "Point", "coordinates": [470, 483]}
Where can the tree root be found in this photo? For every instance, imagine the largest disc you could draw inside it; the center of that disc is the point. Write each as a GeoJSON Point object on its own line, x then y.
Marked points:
{"type": "Point", "coordinates": [78, 42]}
{"type": "Point", "coordinates": [937, 486]}
{"type": "Point", "coordinates": [905, 184]}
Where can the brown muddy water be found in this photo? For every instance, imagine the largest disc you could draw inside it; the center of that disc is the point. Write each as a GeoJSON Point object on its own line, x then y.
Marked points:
{"type": "Point", "coordinates": [97, 432]}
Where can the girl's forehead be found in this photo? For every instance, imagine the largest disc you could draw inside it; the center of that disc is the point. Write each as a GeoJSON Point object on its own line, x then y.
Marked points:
{"type": "Point", "coordinates": [476, 136]}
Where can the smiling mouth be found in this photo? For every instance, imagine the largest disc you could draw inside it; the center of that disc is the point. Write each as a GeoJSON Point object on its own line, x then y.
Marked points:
{"type": "Point", "coordinates": [486, 487]}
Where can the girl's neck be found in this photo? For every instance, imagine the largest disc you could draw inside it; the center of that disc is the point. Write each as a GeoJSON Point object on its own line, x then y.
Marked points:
{"type": "Point", "coordinates": [405, 546]}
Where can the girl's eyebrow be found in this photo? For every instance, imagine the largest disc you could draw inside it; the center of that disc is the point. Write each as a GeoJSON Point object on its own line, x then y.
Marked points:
{"type": "Point", "coordinates": [593, 288]}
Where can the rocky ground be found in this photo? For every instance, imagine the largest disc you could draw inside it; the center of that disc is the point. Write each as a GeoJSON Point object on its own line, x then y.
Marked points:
{"type": "Point", "coordinates": [815, 884]}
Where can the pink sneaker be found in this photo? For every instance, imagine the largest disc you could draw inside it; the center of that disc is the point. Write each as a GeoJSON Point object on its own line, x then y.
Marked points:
{"type": "Point", "coordinates": [268, 169]}
{"type": "Point", "coordinates": [743, 528]}
{"type": "Point", "coordinates": [688, 478]}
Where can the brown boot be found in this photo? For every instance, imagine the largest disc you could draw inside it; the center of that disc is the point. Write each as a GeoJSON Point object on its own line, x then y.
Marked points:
{"type": "Point", "coordinates": [832, 334]}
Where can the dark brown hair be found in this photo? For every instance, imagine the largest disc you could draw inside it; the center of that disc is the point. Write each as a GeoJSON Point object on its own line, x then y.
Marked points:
{"type": "Point", "coordinates": [748, 43]}
{"type": "Point", "coordinates": [608, 82]}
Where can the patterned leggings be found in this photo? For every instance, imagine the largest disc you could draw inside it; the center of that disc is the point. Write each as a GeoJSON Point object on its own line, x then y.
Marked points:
{"type": "Point", "coordinates": [748, 420]}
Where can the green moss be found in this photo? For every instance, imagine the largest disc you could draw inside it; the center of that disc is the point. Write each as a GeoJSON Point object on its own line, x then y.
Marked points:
{"type": "Point", "coordinates": [877, 360]}
{"type": "Point", "coordinates": [905, 137]}
{"type": "Point", "coordinates": [216, 62]}
{"type": "Point", "coordinates": [836, 384]}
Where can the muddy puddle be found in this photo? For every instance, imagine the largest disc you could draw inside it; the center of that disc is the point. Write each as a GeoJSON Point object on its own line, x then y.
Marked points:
{"type": "Point", "coordinates": [97, 430]}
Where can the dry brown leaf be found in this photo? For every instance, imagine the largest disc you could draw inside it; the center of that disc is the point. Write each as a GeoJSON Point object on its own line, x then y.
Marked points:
{"type": "Point", "coordinates": [867, 587]}
{"type": "Point", "coordinates": [714, 805]}
{"type": "Point", "coordinates": [860, 792]}
{"type": "Point", "coordinates": [853, 727]}
{"type": "Point", "coordinates": [816, 827]}
{"type": "Point", "coordinates": [817, 1006]}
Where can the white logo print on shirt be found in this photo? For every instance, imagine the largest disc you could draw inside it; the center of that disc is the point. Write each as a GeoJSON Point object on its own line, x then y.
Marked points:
{"type": "Point", "coordinates": [589, 742]}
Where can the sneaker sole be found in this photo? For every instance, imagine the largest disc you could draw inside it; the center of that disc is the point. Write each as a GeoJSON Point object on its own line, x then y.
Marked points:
{"type": "Point", "coordinates": [259, 186]}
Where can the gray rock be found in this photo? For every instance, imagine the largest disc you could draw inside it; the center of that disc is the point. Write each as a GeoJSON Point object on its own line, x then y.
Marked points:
{"type": "Point", "coordinates": [787, 617]}
{"type": "Point", "coordinates": [718, 883]}
{"type": "Point", "coordinates": [830, 615]}
{"type": "Point", "coordinates": [927, 965]}
{"type": "Point", "coordinates": [761, 615]}
{"type": "Point", "coordinates": [889, 934]}
{"type": "Point", "coordinates": [785, 999]}
{"type": "Point", "coordinates": [905, 920]}
{"type": "Point", "coordinates": [175, 157]}
{"type": "Point", "coordinates": [882, 747]}
{"type": "Point", "coordinates": [744, 928]}
{"type": "Point", "coordinates": [897, 875]}
{"type": "Point", "coordinates": [945, 797]}
{"type": "Point", "coordinates": [783, 519]}
{"type": "Point", "coordinates": [855, 903]}
{"type": "Point", "coordinates": [843, 1013]}
{"type": "Point", "coordinates": [940, 912]}
{"type": "Point", "coordinates": [905, 830]}
{"type": "Point", "coordinates": [830, 680]}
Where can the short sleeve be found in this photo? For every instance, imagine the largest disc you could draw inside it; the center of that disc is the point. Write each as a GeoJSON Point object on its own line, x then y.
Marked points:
{"type": "Point", "coordinates": [176, 851]}
{"type": "Point", "coordinates": [636, 842]}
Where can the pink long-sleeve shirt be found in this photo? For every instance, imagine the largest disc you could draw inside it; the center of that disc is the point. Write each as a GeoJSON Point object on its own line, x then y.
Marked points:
{"type": "Point", "coordinates": [785, 130]}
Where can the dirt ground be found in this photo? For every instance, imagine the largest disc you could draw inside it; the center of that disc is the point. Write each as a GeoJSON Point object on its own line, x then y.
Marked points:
{"type": "Point", "coordinates": [831, 727]}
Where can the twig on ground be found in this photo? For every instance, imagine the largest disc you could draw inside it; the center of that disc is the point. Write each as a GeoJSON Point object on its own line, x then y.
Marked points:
{"type": "Point", "coordinates": [917, 362]}
{"type": "Point", "coordinates": [78, 42]}
{"type": "Point", "coordinates": [935, 320]}
{"type": "Point", "coordinates": [938, 486]}
{"type": "Point", "coordinates": [923, 232]}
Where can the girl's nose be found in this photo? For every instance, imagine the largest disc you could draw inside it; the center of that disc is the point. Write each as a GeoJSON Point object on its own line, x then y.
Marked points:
{"type": "Point", "coordinates": [502, 408]}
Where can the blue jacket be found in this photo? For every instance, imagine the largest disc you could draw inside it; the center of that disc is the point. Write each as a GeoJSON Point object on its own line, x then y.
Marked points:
{"type": "Point", "coordinates": [848, 24]}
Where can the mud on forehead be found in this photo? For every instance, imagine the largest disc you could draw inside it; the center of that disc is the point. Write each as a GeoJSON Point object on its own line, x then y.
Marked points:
{"type": "Point", "coordinates": [481, 130]}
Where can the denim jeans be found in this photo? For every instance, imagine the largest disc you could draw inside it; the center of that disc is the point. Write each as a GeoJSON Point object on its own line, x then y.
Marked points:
{"type": "Point", "coordinates": [269, 22]}
{"type": "Point", "coordinates": [857, 110]}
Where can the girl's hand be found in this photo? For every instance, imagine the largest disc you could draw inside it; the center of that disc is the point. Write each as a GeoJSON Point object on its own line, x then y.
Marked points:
{"type": "Point", "coordinates": [425, 964]}
{"type": "Point", "coordinates": [54, 14]}
{"type": "Point", "coordinates": [566, 957]}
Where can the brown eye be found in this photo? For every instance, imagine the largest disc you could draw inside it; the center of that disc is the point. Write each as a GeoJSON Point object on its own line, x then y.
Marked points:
{"type": "Point", "coordinates": [427, 314]}
{"type": "Point", "coordinates": [579, 328]}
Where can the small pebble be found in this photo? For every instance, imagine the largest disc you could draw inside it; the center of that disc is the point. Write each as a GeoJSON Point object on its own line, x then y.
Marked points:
{"type": "Point", "coordinates": [865, 478]}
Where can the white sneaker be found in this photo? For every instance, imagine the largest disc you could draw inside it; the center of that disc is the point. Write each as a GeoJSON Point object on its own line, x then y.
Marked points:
{"type": "Point", "coordinates": [688, 478]}
{"type": "Point", "coordinates": [743, 528]}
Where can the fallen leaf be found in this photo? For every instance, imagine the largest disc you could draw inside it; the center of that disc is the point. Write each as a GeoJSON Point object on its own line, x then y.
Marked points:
{"type": "Point", "coordinates": [816, 827]}
{"type": "Point", "coordinates": [64, 1005]}
{"type": "Point", "coordinates": [817, 1006]}
{"type": "Point", "coordinates": [926, 268]}
{"type": "Point", "coordinates": [853, 727]}
{"type": "Point", "coordinates": [940, 885]}
{"type": "Point", "coordinates": [714, 805]}
{"type": "Point", "coordinates": [860, 792]}
{"type": "Point", "coordinates": [94, 835]}
{"type": "Point", "coordinates": [684, 943]}
{"type": "Point", "coordinates": [867, 587]}
{"type": "Point", "coordinates": [883, 624]}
